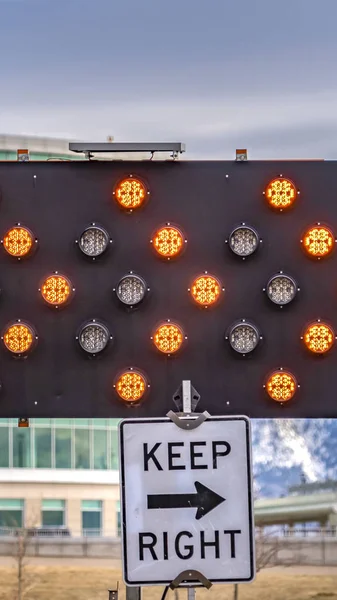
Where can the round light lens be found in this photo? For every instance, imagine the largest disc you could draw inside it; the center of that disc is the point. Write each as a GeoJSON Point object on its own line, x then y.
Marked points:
{"type": "Point", "coordinates": [18, 241]}
{"type": "Point", "coordinates": [244, 337]}
{"type": "Point", "coordinates": [19, 338]}
{"type": "Point", "coordinates": [56, 290]}
{"type": "Point", "coordinates": [94, 241]}
{"type": "Point", "coordinates": [281, 193]}
{"type": "Point", "coordinates": [168, 338]}
{"type": "Point", "coordinates": [168, 242]}
{"type": "Point", "coordinates": [131, 290]}
{"type": "Point", "coordinates": [94, 337]}
{"type": "Point", "coordinates": [318, 241]}
{"type": "Point", "coordinates": [243, 241]}
{"type": "Point", "coordinates": [319, 338]}
{"type": "Point", "coordinates": [131, 386]}
{"type": "Point", "coordinates": [130, 193]}
{"type": "Point", "coordinates": [206, 290]}
{"type": "Point", "coordinates": [281, 289]}
{"type": "Point", "coordinates": [281, 386]}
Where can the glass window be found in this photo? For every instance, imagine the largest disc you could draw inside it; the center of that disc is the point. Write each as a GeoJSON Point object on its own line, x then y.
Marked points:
{"type": "Point", "coordinates": [53, 513]}
{"type": "Point", "coordinates": [100, 449]}
{"type": "Point", "coordinates": [81, 422]}
{"type": "Point", "coordinates": [21, 447]}
{"type": "Point", "coordinates": [43, 447]}
{"type": "Point", "coordinates": [114, 449]}
{"type": "Point", "coordinates": [3, 422]}
{"type": "Point", "coordinates": [62, 422]}
{"type": "Point", "coordinates": [91, 517]}
{"type": "Point", "coordinates": [100, 422]}
{"type": "Point", "coordinates": [4, 451]}
{"type": "Point", "coordinates": [82, 455]}
{"type": "Point", "coordinates": [41, 422]}
{"type": "Point", "coordinates": [11, 512]}
{"type": "Point", "coordinates": [118, 518]}
{"type": "Point", "coordinates": [63, 448]}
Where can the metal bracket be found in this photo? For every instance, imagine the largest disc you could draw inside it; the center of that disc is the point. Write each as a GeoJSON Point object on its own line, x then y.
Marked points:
{"type": "Point", "coordinates": [113, 594]}
{"type": "Point", "coordinates": [192, 576]}
{"type": "Point", "coordinates": [185, 421]}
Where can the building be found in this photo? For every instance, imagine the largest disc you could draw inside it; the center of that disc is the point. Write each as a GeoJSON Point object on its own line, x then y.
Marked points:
{"type": "Point", "coordinates": [40, 148]}
{"type": "Point", "coordinates": [60, 473]}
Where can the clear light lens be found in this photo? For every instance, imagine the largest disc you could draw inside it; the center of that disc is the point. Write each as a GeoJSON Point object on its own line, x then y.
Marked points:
{"type": "Point", "coordinates": [131, 386]}
{"type": "Point", "coordinates": [168, 338]}
{"type": "Point", "coordinates": [318, 241]}
{"type": "Point", "coordinates": [243, 241]}
{"type": "Point", "coordinates": [18, 241]}
{"type": "Point", "coordinates": [19, 338]}
{"type": "Point", "coordinates": [281, 193]}
{"type": "Point", "coordinates": [130, 193]}
{"type": "Point", "coordinates": [281, 289]}
{"type": "Point", "coordinates": [319, 338]}
{"type": "Point", "coordinates": [206, 290]}
{"type": "Point", "coordinates": [131, 290]}
{"type": "Point", "coordinates": [244, 337]}
{"type": "Point", "coordinates": [56, 290]}
{"type": "Point", "coordinates": [94, 337]}
{"type": "Point", "coordinates": [94, 241]}
{"type": "Point", "coordinates": [168, 242]}
{"type": "Point", "coordinates": [281, 386]}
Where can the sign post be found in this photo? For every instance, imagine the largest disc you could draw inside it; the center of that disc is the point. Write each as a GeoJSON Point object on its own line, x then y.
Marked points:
{"type": "Point", "coordinates": [187, 507]}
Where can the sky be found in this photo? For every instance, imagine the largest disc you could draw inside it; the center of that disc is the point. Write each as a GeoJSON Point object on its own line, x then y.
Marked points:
{"type": "Point", "coordinates": [215, 74]}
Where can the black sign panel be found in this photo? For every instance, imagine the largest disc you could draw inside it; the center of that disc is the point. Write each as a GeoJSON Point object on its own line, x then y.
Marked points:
{"type": "Point", "coordinates": [206, 201]}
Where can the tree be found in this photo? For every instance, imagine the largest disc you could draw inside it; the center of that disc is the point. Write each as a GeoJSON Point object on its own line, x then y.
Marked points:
{"type": "Point", "coordinates": [24, 581]}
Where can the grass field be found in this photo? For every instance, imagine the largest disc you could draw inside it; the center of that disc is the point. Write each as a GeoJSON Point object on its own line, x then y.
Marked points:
{"type": "Point", "coordinates": [78, 583]}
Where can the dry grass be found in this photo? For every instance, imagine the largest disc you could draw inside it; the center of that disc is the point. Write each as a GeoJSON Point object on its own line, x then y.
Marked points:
{"type": "Point", "coordinates": [78, 583]}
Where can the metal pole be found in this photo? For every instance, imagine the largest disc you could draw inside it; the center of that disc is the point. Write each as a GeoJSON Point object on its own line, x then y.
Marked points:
{"type": "Point", "coordinates": [133, 593]}
{"type": "Point", "coordinates": [191, 593]}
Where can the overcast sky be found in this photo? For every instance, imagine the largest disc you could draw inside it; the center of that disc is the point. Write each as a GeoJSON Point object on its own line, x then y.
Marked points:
{"type": "Point", "coordinates": [216, 74]}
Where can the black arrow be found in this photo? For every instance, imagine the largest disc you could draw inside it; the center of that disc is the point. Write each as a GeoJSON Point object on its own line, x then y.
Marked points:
{"type": "Point", "coordinates": [204, 500]}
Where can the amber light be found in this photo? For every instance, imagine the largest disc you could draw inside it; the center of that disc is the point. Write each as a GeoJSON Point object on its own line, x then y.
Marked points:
{"type": "Point", "coordinates": [168, 241]}
{"type": "Point", "coordinates": [281, 193]}
{"type": "Point", "coordinates": [131, 386]}
{"type": "Point", "coordinates": [18, 241]}
{"type": "Point", "coordinates": [206, 290]}
{"type": "Point", "coordinates": [19, 338]}
{"type": "Point", "coordinates": [318, 241]}
{"type": "Point", "coordinates": [56, 290]}
{"type": "Point", "coordinates": [130, 193]}
{"type": "Point", "coordinates": [319, 338]}
{"type": "Point", "coordinates": [168, 338]}
{"type": "Point", "coordinates": [281, 386]}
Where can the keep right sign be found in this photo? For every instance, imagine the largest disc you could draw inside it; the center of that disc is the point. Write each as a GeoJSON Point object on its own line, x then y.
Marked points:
{"type": "Point", "coordinates": [186, 500]}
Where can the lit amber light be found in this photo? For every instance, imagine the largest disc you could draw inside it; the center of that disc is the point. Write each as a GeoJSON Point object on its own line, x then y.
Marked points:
{"type": "Point", "coordinates": [19, 338]}
{"type": "Point", "coordinates": [168, 241]}
{"type": "Point", "coordinates": [281, 193]}
{"type": "Point", "coordinates": [131, 386]}
{"type": "Point", "coordinates": [318, 241]}
{"type": "Point", "coordinates": [206, 290]}
{"type": "Point", "coordinates": [18, 241]}
{"type": "Point", "coordinates": [281, 386]}
{"type": "Point", "coordinates": [168, 338]}
{"type": "Point", "coordinates": [319, 338]}
{"type": "Point", "coordinates": [56, 290]}
{"type": "Point", "coordinates": [130, 193]}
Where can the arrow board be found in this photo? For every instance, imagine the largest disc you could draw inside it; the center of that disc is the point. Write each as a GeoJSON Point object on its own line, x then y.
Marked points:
{"type": "Point", "coordinates": [186, 500]}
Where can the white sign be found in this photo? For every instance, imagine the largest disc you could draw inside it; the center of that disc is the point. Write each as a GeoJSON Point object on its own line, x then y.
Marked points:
{"type": "Point", "coordinates": [186, 499]}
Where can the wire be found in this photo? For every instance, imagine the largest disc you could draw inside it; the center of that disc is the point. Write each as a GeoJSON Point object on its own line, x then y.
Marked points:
{"type": "Point", "coordinates": [165, 592]}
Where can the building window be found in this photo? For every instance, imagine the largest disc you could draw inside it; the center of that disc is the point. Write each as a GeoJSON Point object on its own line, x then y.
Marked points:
{"type": "Point", "coordinates": [4, 448]}
{"type": "Point", "coordinates": [118, 519]}
{"type": "Point", "coordinates": [21, 448]}
{"type": "Point", "coordinates": [63, 448]}
{"type": "Point", "coordinates": [53, 513]}
{"type": "Point", "coordinates": [100, 449]}
{"type": "Point", "coordinates": [91, 518]}
{"type": "Point", "coordinates": [11, 513]}
{"type": "Point", "coordinates": [82, 454]}
{"type": "Point", "coordinates": [43, 447]}
{"type": "Point", "coordinates": [114, 449]}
